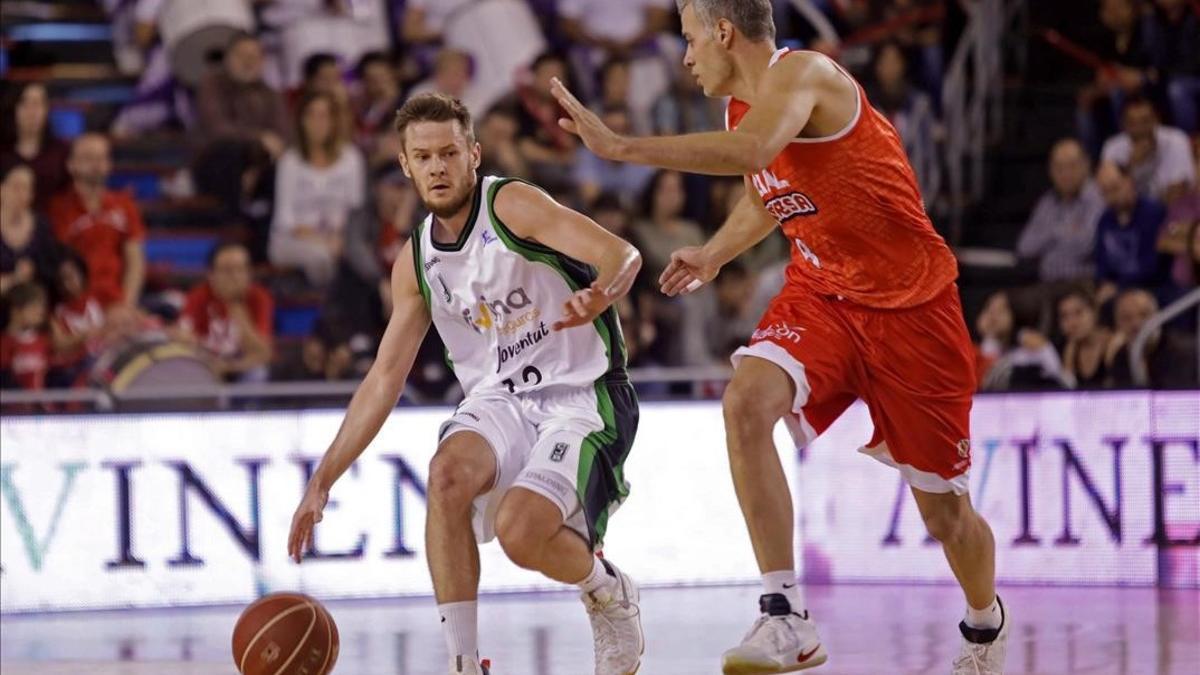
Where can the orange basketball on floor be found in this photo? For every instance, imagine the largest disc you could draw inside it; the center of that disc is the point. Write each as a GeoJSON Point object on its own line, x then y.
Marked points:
{"type": "Point", "coordinates": [285, 634]}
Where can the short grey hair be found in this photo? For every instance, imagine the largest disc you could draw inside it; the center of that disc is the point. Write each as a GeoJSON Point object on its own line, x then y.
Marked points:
{"type": "Point", "coordinates": [753, 18]}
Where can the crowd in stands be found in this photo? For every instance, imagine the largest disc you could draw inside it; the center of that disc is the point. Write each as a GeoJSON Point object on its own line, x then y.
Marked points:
{"type": "Point", "coordinates": [300, 157]}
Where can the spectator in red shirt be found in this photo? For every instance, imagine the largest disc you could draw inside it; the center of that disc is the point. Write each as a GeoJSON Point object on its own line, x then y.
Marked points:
{"type": "Point", "coordinates": [25, 343]}
{"type": "Point", "coordinates": [79, 326]}
{"type": "Point", "coordinates": [26, 138]}
{"type": "Point", "coordinates": [231, 316]}
{"type": "Point", "coordinates": [104, 226]}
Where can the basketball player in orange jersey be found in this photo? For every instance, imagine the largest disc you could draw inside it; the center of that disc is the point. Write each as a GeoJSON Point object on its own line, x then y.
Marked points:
{"type": "Point", "coordinates": [869, 310]}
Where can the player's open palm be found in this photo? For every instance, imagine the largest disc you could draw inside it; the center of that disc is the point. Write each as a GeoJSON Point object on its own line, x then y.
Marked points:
{"type": "Point", "coordinates": [584, 123]}
{"type": "Point", "coordinates": [583, 307]}
{"type": "Point", "coordinates": [308, 514]}
{"type": "Point", "coordinates": [689, 269]}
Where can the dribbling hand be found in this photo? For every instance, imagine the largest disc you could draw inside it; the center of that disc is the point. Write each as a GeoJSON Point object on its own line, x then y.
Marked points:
{"type": "Point", "coordinates": [688, 270]}
{"type": "Point", "coordinates": [308, 514]}
{"type": "Point", "coordinates": [583, 307]}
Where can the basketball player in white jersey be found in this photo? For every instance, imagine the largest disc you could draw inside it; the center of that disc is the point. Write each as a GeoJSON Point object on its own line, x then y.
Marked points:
{"type": "Point", "coordinates": [520, 289]}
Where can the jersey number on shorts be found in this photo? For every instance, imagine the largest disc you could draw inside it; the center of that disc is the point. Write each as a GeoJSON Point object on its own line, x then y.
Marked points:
{"type": "Point", "coordinates": [530, 373]}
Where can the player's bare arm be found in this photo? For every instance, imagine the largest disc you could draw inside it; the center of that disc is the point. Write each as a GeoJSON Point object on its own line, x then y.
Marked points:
{"type": "Point", "coordinates": [791, 94]}
{"type": "Point", "coordinates": [692, 266]}
{"type": "Point", "coordinates": [532, 214]}
{"type": "Point", "coordinates": [372, 402]}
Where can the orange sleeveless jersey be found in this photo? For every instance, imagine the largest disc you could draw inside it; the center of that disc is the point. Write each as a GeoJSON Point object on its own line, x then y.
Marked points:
{"type": "Point", "coordinates": [850, 207]}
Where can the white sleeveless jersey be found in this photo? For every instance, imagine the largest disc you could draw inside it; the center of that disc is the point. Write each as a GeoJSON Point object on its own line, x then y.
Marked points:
{"type": "Point", "coordinates": [493, 298]}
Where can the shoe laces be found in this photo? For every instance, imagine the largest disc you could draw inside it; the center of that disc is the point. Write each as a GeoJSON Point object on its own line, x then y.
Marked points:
{"type": "Point", "coordinates": [973, 661]}
{"type": "Point", "coordinates": [604, 611]}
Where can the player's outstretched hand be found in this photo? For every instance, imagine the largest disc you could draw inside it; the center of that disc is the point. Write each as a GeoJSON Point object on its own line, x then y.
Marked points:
{"type": "Point", "coordinates": [583, 307]}
{"type": "Point", "coordinates": [688, 270]}
{"type": "Point", "coordinates": [584, 123]}
{"type": "Point", "coordinates": [308, 514]}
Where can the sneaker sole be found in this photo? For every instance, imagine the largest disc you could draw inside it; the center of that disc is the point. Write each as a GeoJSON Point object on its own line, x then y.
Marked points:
{"type": "Point", "coordinates": [739, 667]}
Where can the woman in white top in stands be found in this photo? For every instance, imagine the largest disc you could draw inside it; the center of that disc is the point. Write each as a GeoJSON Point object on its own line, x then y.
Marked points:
{"type": "Point", "coordinates": [318, 183]}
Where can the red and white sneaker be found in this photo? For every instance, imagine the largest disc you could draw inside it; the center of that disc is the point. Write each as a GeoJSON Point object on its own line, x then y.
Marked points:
{"type": "Point", "coordinates": [983, 650]}
{"type": "Point", "coordinates": [781, 641]}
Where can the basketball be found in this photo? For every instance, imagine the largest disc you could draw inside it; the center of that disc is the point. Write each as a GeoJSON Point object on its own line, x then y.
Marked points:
{"type": "Point", "coordinates": [285, 634]}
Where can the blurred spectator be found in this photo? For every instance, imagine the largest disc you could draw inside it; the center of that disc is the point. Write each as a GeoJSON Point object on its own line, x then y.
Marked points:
{"type": "Point", "coordinates": [684, 109]}
{"type": "Point", "coordinates": [231, 316]}
{"type": "Point", "coordinates": [664, 230]}
{"type": "Point", "coordinates": [104, 226]}
{"type": "Point", "coordinates": [1061, 231]}
{"type": "Point", "coordinates": [375, 108]}
{"type": "Point", "coordinates": [1126, 236]}
{"type": "Point", "coordinates": [613, 27]}
{"type": "Point", "coordinates": [1122, 45]}
{"type": "Point", "coordinates": [425, 20]}
{"type": "Point", "coordinates": [909, 109]}
{"type": "Point", "coordinates": [318, 183]}
{"type": "Point", "coordinates": [361, 296]}
{"type": "Point", "coordinates": [325, 354]}
{"type": "Point", "coordinates": [1175, 42]}
{"type": "Point", "coordinates": [498, 139]}
{"type": "Point", "coordinates": [243, 124]}
{"type": "Point", "coordinates": [734, 320]}
{"type": "Point", "coordinates": [546, 147]}
{"type": "Point", "coordinates": [610, 214]}
{"type": "Point", "coordinates": [1158, 157]}
{"type": "Point", "coordinates": [594, 175]}
{"type": "Point", "coordinates": [1179, 234]}
{"type": "Point", "coordinates": [614, 83]}
{"type": "Point", "coordinates": [25, 343]}
{"type": "Point", "coordinates": [28, 251]}
{"type": "Point", "coordinates": [453, 71]}
{"type": "Point", "coordinates": [323, 75]}
{"type": "Point", "coordinates": [1089, 348]}
{"type": "Point", "coordinates": [1012, 354]}
{"type": "Point", "coordinates": [80, 328]}
{"type": "Point", "coordinates": [26, 138]}
{"type": "Point", "coordinates": [1170, 358]}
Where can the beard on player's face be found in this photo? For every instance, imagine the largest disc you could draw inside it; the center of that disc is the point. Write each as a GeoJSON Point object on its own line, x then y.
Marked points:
{"type": "Point", "coordinates": [447, 202]}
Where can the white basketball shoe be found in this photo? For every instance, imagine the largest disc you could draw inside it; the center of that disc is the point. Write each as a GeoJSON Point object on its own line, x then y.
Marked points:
{"type": "Point", "coordinates": [781, 641]}
{"type": "Point", "coordinates": [468, 665]}
{"type": "Point", "coordinates": [983, 649]}
{"type": "Point", "coordinates": [616, 625]}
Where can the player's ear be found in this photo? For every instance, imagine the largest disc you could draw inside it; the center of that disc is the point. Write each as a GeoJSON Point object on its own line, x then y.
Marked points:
{"type": "Point", "coordinates": [476, 155]}
{"type": "Point", "coordinates": [724, 32]}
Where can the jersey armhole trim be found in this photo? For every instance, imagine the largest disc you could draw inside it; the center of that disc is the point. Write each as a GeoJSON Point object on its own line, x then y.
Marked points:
{"type": "Point", "coordinates": [852, 124]}
{"type": "Point", "coordinates": [493, 192]}
{"type": "Point", "coordinates": [419, 265]}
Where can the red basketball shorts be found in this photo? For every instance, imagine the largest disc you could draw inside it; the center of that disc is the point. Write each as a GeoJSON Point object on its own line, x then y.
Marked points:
{"type": "Point", "coordinates": [914, 368]}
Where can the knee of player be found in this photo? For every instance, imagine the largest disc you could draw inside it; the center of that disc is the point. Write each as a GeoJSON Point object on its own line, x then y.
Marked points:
{"type": "Point", "coordinates": [946, 524]}
{"type": "Point", "coordinates": [748, 406]}
{"type": "Point", "coordinates": [454, 481]}
{"type": "Point", "coordinates": [522, 540]}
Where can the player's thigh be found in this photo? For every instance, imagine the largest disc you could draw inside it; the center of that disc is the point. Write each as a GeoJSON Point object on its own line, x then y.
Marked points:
{"type": "Point", "coordinates": [577, 463]}
{"type": "Point", "coordinates": [920, 386]}
{"type": "Point", "coordinates": [498, 421]}
{"type": "Point", "coordinates": [802, 360]}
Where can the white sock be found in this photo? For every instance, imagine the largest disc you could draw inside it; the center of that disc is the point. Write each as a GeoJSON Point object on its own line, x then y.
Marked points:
{"type": "Point", "coordinates": [989, 617]}
{"type": "Point", "coordinates": [598, 578]}
{"type": "Point", "coordinates": [460, 625]}
{"type": "Point", "coordinates": [784, 583]}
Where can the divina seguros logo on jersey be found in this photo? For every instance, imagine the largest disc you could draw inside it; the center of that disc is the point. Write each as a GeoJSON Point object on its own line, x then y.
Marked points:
{"type": "Point", "coordinates": [785, 206]}
{"type": "Point", "coordinates": [507, 315]}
